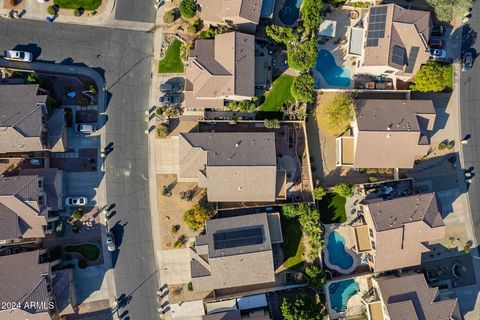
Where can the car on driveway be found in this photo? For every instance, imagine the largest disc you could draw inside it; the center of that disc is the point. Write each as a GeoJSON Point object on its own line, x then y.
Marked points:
{"type": "Point", "coordinates": [438, 31]}
{"type": "Point", "coordinates": [438, 53]}
{"type": "Point", "coordinates": [436, 43]}
{"type": "Point", "coordinates": [170, 99]}
{"type": "Point", "coordinates": [170, 88]}
{"type": "Point", "coordinates": [18, 55]}
{"type": "Point", "coordinates": [86, 128]}
{"type": "Point", "coordinates": [467, 61]}
{"type": "Point", "coordinates": [79, 201]}
{"type": "Point", "coordinates": [110, 241]}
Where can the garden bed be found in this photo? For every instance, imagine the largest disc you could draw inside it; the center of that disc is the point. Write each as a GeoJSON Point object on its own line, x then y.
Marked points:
{"type": "Point", "coordinates": [172, 62]}
{"type": "Point", "coordinates": [89, 251]}
{"type": "Point", "coordinates": [332, 209]}
{"type": "Point", "coordinates": [75, 4]}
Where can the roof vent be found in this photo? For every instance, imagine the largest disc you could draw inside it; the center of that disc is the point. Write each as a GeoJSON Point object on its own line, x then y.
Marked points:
{"type": "Point", "coordinates": [236, 145]}
{"type": "Point", "coordinates": [239, 188]}
{"type": "Point", "coordinates": [389, 127]}
{"type": "Point", "coordinates": [389, 136]}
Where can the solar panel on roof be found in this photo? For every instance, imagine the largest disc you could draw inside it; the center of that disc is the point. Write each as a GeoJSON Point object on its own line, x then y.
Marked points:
{"type": "Point", "coordinates": [398, 55]}
{"type": "Point", "coordinates": [376, 25]}
{"type": "Point", "coordinates": [238, 238]}
{"type": "Point", "coordinates": [412, 58]}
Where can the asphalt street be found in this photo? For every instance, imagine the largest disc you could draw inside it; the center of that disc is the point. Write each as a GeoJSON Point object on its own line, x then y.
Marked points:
{"type": "Point", "coordinates": [470, 114]}
{"type": "Point", "coordinates": [124, 59]}
{"type": "Point", "coordinates": [135, 10]}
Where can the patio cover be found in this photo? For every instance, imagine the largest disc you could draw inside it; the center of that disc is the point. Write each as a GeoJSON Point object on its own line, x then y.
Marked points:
{"type": "Point", "coordinates": [375, 310]}
{"type": "Point", "coordinates": [328, 28]}
{"type": "Point", "coordinates": [355, 44]}
{"type": "Point", "coordinates": [363, 240]}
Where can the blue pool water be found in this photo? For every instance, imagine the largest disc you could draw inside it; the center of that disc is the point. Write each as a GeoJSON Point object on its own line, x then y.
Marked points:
{"type": "Point", "coordinates": [336, 251]}
{"type": "Point", "coordinates": [341, 292]}
{"type": "Point", "coordinates": [334, 75]}
{"type": "Point", "coordinates": [290, 12]}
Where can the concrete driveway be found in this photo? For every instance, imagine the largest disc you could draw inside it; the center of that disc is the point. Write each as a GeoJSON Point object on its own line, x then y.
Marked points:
{"type": "Point", "coordinates": [175, 266]}
{"type": "Point", "coordinates": [83, 184]}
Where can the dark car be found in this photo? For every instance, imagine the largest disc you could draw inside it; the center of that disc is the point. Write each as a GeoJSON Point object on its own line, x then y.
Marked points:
{"type": "Point", "coordinates": [438, 30]}
{"type": "Point", "coordinates": [467, 61]}
{"type": "Point", "coordinates": [436, 43]}
{"type": "Point", "coordinates": [171, 99]}
{"type": "Point", "coordinates": [170, 87]}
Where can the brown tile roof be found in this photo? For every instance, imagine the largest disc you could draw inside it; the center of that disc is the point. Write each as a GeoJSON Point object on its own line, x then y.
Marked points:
{"type": "Point", "coordinates": [229, 315]}
{"type": "Point", "coordinates": [234, 10]}
{"type": "Point", "coordinates": [223, 68]}
{"type": "Point", "coordinates": [56, 130]}
{"type": "Point", "coordinates": [49, 175]}
{"type": "Point", "coordinates": [19, 195]}
{"type": "Point", "coordinates": [233, 166]}
{"type": "Point", "coordinates": [410, 298]}
{"type": "Point", "coordinates": [231, 263]}
{"type": "Point", "coordinates": [391, 133]}
{"type": "Point", "coordinates": [21, 123]}
{"type": "Point", "coordinates": [27, 280]}
{"type": "Point", "coordinates": [406, 32]}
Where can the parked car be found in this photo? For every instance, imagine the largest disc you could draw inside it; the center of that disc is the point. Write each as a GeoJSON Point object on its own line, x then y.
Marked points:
{"type": "Point", "coordinates": [438, 53]}
{"type": "Point", "coordinates": [86, 128]}
{"type": "Point", "coordinates": [171, 99]}
{"type": "Point", "coordinates": [170, 87]}
{"type": "Point", "coordinates": [438, 31]}
{"type": "Point", "coordinates": [436, 43]}
{"type": "Point", "coordinates": [78, 201]}
{"type": "Point", "coordinates": [110, 241]}
{"type": "Point", "coordinates": [36, 161]}
{"type": "Point", "coordinates": [18, 55]}
{"type": "Point", "coordinates": [467, 61]}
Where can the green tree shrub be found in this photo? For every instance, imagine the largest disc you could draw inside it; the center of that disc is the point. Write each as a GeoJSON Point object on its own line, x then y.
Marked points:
{"type": "Point", "coordinates": [432, 77]}
{"type": "Point", "coordinates": [372, 179]}
{"type": "Point", "coordinates": [51, 10]}
{"type": "Point", "coordinates": [191, 29]}
{"type": "Point", "coordinates": [344, 190]}
{"type": "Point", "coordinates": [442, 145]}
{"type": "Point", "coordinates": [339, 113]}
{"type": "Point", "coordinates": [241, 106]}
{"type": "Point", "coordinates": [315, 276]}
{"type": "Point", "coordinates": [319, 193]}
{"type": "Point", "coordinates": [285, 35]}
{"type": "Point", "coordinates": [272, 123]}
{"type": "Point", "coordinates": [162, 130]}
{"type": "Point", "coordinates": [311, 14]}
{"type": "Point", "coordinates": [212, 31]}
{"type": "Point", "coordinates": [303, 57]}
{"type": "Point", "coordinates": [33, 78]}
{"type": "Point", "coordinates": [175, 228]}
{"type": "Point", "coordinates": [188, 8]}
{"type": "Point", "coordinates": [78, 12]}
{"type": "Point", "coordinates": [302, 88]}
{"type": "Point", "coordinates": [195, 218]}
{"type": "Point", "coordinates": [77, 214]}
{"type": "Point", "coordinates": [446, 10]}
{"type": "Point", "coordinates": [169, 17]}
{"type": "Point", "coordinates": [190, 286]}
{"type": "Point", "coordinates": [302, 307]}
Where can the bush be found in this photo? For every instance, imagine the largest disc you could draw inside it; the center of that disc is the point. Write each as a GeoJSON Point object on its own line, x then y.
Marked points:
{"type": "Point", "coordinates": [60, 228]}
{"type": "Point", "coordinates": [314, 276]}
{"type": "Point", "coordinates": [188, 8]}
{"type": "Point", "coordinates": [432, 77]}
{"type": "Point", "coordinates": [285, 35]}
{"type": "Point", "coordinates": [339, 113]}
{"type": "Point", "coordinates": [195, 218]}
{"type": "Point", "coordinates": [198, 24]}
{"type": "Point", "coordinates": [33, 78]}
{"type": "Point", "coordinates": [162, 130]}
{"type": "Point", "coordinates": [191, 29]}
{"type": "Point", "coordinates": [175, 228]}
{"type": "Point", "coordinates": [301, 307]}
{"type": "Point", "coordinates": [241, 106]}
{"type": "Point", "coordinates": [52, 10]}
{"type": "Point", "coordinates": [272, 123]}
{"type": "Point", "coordinates": [344, 189]}
{"type": "Point", "coordinates": [169, 17]}
{"type": "Point", "coordinates": [446, 10]}
{"type": "Point", "coordinates": [319, 193]}
{"type": "Point", "coordinates": [190, 286]}
{"type": "Point", "coordinates": [212, 31]}
{"type": "Point", "coordinates": [302, 57]}
{"type": "Point", "coordinates": [302, 88]}
{"type": "Point", "coordinates": [359, 4]}
{"type": "Point", "coordinates": [78, 12]}
{"type": "Point", "coordinates": [451, 145]}
{"type": "Point", "coordinates": [442, 145]}
{"type": "Point", "coordinates": [311, 14]}
{"type": "Point", "coordinates": [372, 179]}
{"type": "Point", "coordinates": [77, 214]}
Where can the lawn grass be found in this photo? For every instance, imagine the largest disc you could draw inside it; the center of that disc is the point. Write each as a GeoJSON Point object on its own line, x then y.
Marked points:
{"type": "Point", "coordinates": [75, 4]}
{"type": "Point", "coordinates": [332, 209]}
{"type": "Point", "coordinates": [89, 251]}
{"type": "Point", "coordinates": [171, 62]}
{"type": "Point", "coordinates": [292, 245]}
{"type": "Point", "coordinates": [278, 94]}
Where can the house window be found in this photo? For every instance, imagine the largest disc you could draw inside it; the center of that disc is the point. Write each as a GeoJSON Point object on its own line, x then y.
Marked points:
{"type": "Point", "coordinates": [40, 183]}
{"type": "Point", "coordinates": [40, 199]}
{"type": "Point", "coordinates": [369, 257]}
{"type": "Point", "coordinates": [370, 231]}
{"type": "Point", "coordinates": [373, 244]}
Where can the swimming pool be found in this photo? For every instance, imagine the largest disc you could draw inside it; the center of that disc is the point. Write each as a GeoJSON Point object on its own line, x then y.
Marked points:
{"type": "Point", "coordinates": [334, 75]}
{"type": "Point", "coordinates": [336, 251]}
{"type": "Point", "coordinates": [340, 292]}
{"type": "Point", "coordinates": [290, 12]}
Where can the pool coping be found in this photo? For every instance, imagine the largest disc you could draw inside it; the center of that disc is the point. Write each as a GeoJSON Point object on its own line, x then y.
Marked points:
{"type": "Point", "coordinates": [323, 84]}
{"type": "Point", "coordinates": [329, 228]}
{"type": "Point", "coordinates": [334, 314]}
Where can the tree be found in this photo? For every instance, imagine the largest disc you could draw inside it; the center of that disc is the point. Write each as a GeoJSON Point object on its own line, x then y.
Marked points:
{"type": "Point", "coordinates": [311, 14]}
{"type": "Point", "coordinates": [302, 88]}
{"type": "Point", "coordinates": [272, 123]}
{"type": "Point", "coordinates": [285, 35]}
{"type": "Point", "coordinates": [242, 106]}
{"type": "Point", "coordinates": [314, 276]}
{"type": "Point", "coordinates": [319, 193]}
{"type": "Point", "coordinates": [195, 218]}
{"type": "Point", "coordinates": [188, 8]}
{"type": "Point", "coordinates": [432, 77]}
{"type": "Point", "coordinates": [302, 307]}
{"type": "Point", "coordinates": [294, 111]}
{"type": "Point", "coordinates": [212, 31]}
{"type": "Point", "coordinates": [77, 214]}
{"type": "Point", "coordinates": [162, 130]}
{"type": "Point", "coordinates": [339, 113]}
{"type": "Point", "coordinates": [169, 17]}
{"type": "Point", "coordinates": [303, 57]}
{"type": "Point", "coordinates": [446, 10]}
{"type": "Point", "coordinates": [344, 190]}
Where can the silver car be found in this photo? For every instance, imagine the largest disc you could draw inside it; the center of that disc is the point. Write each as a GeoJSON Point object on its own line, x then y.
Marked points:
{"type": "Point", "coordinates": [467, 61]}
{"type": "Point", "coordinates": [111, 242]}
{"type": "Point", "coordinates": [16, 55]}
{"type": "Point", "coordinates": [76, 201]}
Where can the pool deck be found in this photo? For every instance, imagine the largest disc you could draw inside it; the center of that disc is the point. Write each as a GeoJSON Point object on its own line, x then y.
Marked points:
{"type": "Point", "coordinates": [355, 305]}
{"type": "Point", "coordinates": [347, 233]}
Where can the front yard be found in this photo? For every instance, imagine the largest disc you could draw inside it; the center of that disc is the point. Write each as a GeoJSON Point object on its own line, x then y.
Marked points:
{"type": "Point", "coordinates": [278, 95]}
{"type": "Point", "coordinates": [75, 4]}
{"type": "Point", "coordinates": [172, 62]}
{"type": "Point", "coordinates": [332, 209]}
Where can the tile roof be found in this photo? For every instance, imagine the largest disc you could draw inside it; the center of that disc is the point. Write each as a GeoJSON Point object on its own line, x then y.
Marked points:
{"type": "Point", "coordinates": [49, 176]}
{"type": "Point", "coordinates": [56, 129]}
{"type": "Point", "coordinates": [229, 315]}
{"type": "Point", "coordinates": [235, 10]}
{"type": "Point", "coordinates": [410, 298]}
{"type": "Point", "coordinates": [21, 115]}
{"type": "Point", "coordinates": [231, 165]}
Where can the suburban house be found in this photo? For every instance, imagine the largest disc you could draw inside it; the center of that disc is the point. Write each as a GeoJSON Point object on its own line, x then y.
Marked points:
{"type": "Point", "coordinates": [233, 166]}
{"type": "Point", "coordinates": [25, 123]}
{"type": "Point", "coordinates": [25, 207]}
{"type": "Point", "coordinates": [224, 257]}
{"type": "Point", "coordinates": [245, 14]}
{"type": "Point", "coordinates": [408, 297]}
{"type": "Point", "coordinates": [220, 69]}
{"type": "Point", "coordinates": [387, 134]}
{"type": "Point", "coordinates": [397, 231]}
{"type": "Point", "coordinates": [31, 286]}
{"type": "Point", "coordinates": [394, 43]}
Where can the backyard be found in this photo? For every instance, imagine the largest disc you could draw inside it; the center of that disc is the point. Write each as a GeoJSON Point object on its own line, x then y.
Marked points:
{"type": "Point", "coordinates": [75, 4]}
{"type": "Point", "coordinates": [292, 245]}
{"type": "Point", "coordinates": [332, 209]}
{"type": "Point", "coordinates": [172, 62]}
{"type": "Point", "coordinates": [279, 94]}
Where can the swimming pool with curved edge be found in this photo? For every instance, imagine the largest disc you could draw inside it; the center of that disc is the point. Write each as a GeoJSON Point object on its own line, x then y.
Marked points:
{"type": "Point", "coordinates": [334, 75]}
{"type": "Point", "coordinates": [340, 292]}
{"type": "Point", "coordinates": [337, 255]}
{"type": "Point", "coordinates": [290, 12]}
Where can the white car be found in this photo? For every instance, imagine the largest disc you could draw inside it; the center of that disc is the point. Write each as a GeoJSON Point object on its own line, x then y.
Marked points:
{"type": "Point", "coordinates": [18, 55]}
{"type": "Point", "coordinates": [76, 201]}
{"type": "Point", "coordinates": [110, 242]}
{"type": "Point", "coordinates": [86, 128]}
{"type": "Point", "coordinates": [438, 53]}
